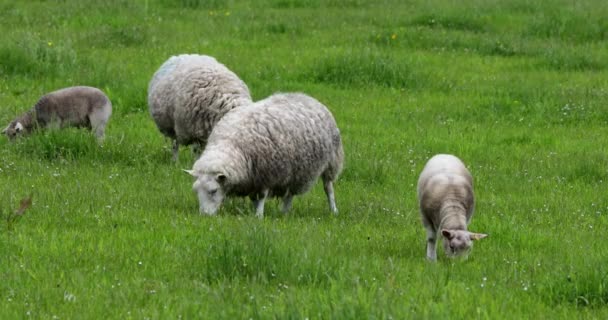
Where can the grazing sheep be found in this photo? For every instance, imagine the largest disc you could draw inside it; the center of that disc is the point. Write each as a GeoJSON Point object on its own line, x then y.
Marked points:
{"type": "Point", "coordinates": [445, 193]}
{"type": "Point", "coordinates": [189, 93]}
{"type": "Point", "coordinates": [70, 107]}
{"type": "Point", "coordinates": [277, 147]}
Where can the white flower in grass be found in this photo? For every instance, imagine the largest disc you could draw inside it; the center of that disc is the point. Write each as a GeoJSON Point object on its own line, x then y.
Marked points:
{"type": "Point", "coordinates": [69, 297]}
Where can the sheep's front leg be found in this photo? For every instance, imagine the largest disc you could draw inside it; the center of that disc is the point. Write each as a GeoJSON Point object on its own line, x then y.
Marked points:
{"type": "Point", "coordinates": [175, 150]}
{"type": "Point", "coordinates": [197, 150]}
{"type": "Point", "coordinates": [287, 200]}
{"type": "Point", "coordinates": [97, 122]}
{"type": "Point", "coordinates": [99, 130]}
{"type": "Point", "coordinates": [258, 203]}
{"type": "Point", "coordinates": [431, 244]}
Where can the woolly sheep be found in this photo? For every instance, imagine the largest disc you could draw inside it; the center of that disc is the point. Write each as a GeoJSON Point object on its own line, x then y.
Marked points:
{"type": "Point", "coordinates": [79, 106]}
{"type": "Point", "coordinates": [277, 147]}
{"type": "Point", "coordinates": [445, 194]}
{"type": "Point", "coordinates": [189, 93]}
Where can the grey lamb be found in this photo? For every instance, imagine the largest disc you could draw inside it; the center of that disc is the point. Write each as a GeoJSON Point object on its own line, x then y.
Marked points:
{"type": "Point", "coordinates": [189, 94]}
{"type": "Point", "coordinates": [445, 194]}
{"type": "Point", "coordinates": [81, 106]}
{"type": "Point", "coordinates": [277, 147]}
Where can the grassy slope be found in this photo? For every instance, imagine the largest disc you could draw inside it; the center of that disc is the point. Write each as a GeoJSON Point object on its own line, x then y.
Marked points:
{"type": "Point", "coordinates": [516, 88]}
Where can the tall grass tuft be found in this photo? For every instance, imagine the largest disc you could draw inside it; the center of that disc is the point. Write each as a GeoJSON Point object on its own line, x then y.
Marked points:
{"type": "Point", "coordinates": [354, 68]}
{"type": "Point", "coordinates": [53, 144]}
{"type": "Point", "coordinates": [196, 4]}
{"type": "Point", "coordinates": [30, 55]}
{"type": "Point", "coordinates": [463, 21]}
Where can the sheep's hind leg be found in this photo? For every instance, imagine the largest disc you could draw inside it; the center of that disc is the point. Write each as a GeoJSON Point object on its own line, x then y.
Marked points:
{"type": "Point", "coordinates": [329, 191]}
{"type": "Point", "coordinates": [287, 200]}
{"type": "Point", "coordinates": [258, 203]}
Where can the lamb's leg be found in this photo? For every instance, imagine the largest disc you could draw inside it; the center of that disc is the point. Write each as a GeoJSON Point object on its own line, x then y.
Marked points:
{"type": "Point", "coordinates": [98, 126]}
{"type": "Point", "coordinates": [100, 133]}
{"type": "Point", "coordinates": [329, 191]}
{"type": "Point", "coordinates": [287, 199]}
{"type": "Point", "coordinates": [175, 150]}
{"type": "Point", "coordinates": [258, 203]}
{"type": "Point", "coordinates": [98, 119]}
{"type": "Point", "coordinates": [431, 244]}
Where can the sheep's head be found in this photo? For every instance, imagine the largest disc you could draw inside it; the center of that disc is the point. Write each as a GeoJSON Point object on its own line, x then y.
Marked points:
{"type": "Point", "coordinates": [458, 243]}
{"type": "Point", "coordinates": [209, 188]}
{"type": "Point", "coordinates": [13, 130]}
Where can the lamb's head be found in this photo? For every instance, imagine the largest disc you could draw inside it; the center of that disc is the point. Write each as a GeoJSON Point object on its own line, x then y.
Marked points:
{"type": "Point", "coordinates": [13, 130]}
{"type": "Point", "coordinates": [209, 188]}
{"type": "Point", "coordinates": [458, 243]}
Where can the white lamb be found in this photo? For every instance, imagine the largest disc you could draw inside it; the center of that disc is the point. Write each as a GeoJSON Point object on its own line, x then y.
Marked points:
{"type": "Point", "coordinates": [276, 147]}
{"type": "Point", "coordinates": [189, 94]}
{"type": "Point", "coordinates": [445, 194]}
{"type": "Point", "coordinates": [82, 107]}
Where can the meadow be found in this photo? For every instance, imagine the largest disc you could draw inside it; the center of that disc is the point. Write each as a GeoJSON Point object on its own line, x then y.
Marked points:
{"type": "Point", "coordinates": [517, 89]}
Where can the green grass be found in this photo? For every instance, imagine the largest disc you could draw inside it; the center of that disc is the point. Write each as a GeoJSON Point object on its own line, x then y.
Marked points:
{"type": "Point", "coordinates": [517, 89]}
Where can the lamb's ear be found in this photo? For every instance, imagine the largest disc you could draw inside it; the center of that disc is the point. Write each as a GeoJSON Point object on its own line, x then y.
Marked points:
{"type": "Point", "coordinates": [477, 236]}
{"type": "Point", "coordinates": [4, 130]}
{"type": "Point", "coordinates": [448, 234]}
{"type": "Point", "coordinates": [18, 127]}
{"type": "Point", "coordinates": [220, 178]}
{"type": "Point", "coordinates": [190, 172]}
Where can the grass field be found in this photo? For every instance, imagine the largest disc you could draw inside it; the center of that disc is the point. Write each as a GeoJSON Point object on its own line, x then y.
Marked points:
{"type": "Point", "coordinates": [518, 89]}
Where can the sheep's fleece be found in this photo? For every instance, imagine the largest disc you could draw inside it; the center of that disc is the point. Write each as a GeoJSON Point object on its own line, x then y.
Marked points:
{"type": "Point", "coordinates": [276, 147]}
{"type": "Point", "coordinates": [188, 95]}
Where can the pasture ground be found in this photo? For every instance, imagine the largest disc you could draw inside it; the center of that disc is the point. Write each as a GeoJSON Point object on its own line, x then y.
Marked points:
{"type": "Point", "coordinates": [517, 89]}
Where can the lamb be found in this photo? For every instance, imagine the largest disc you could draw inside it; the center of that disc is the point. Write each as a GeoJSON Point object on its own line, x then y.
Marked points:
{"type": "Point", "coordinates": [79, 107]}
{"type": "Point", "coordinates": [277, 147]}
{"type": "Point", "coordinates": [445, 194]}
{"type": "Point", "coordinates": [189, 93]}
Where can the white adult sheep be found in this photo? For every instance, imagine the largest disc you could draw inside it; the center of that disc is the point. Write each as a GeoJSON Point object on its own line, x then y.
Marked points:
{"type": "Point", "coordinates": [277, 147]}
{"type": "Point", "coordinates": [445, 194]}
{"type": "Point", "coordinates": [189, 93]}
{"type": "Point", "coordinates": [81, 106]}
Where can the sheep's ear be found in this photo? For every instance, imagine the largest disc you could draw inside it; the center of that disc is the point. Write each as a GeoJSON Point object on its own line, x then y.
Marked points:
{"type": "Point", "coordinates": [18, 127]}
{"type": "Point", "coordinates": [190, 172]}
{"type": "Point", "coordinates": [220, 178]}
{"type": "Point", "coordinates": [4, 130]}
{"type": "Point", "coordinates": [448, 234]}
{"type": "Point", "coordinates": [477, 236]}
